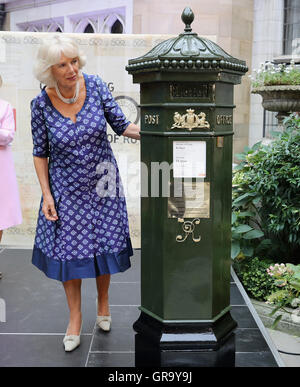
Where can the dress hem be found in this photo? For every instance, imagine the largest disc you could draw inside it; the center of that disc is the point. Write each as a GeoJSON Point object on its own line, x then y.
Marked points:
{"type": "Point", "coordinates": [105, 263]}
{"type": "Point", "coordinates": [14, 224]}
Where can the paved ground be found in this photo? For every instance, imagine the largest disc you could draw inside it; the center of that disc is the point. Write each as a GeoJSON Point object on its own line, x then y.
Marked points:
{"type": "Point", "coordinates": [37, 315]}
{"type": "Point", "coordinates": [289, 344]}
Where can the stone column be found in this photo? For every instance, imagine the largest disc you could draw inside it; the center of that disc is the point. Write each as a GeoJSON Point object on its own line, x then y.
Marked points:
{"type": "Point", "coordinates": [68, 25]}
{"type": "Point", "coordinates": [267, 44]}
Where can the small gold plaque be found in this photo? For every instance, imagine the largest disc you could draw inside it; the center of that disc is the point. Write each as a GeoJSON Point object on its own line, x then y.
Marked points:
{"type": "Point", "coordinates": [189, 199]}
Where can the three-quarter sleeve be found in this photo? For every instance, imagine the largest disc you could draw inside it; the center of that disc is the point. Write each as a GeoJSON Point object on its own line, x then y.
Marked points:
{"type": "Point", "coordinates": [112, 111]}
{"type": "Point", "coordinates": [7, 124]}
{"type": "Point", "coordinates": [39, 130]}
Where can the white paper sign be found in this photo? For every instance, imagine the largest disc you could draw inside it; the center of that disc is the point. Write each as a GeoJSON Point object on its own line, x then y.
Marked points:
{"type": "Point", "coordinates": [189, 159]}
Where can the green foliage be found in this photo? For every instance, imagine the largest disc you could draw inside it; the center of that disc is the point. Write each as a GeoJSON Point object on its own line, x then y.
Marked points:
{"type": "Point", "coordinates": [270, 75]}
{"type": "Point", "coordinates": [254, 277]}
{"type": "Point", "coordinates": [242, 235]}
{"type": "Point", "coordinates": [287, 278]}
{"type": "Point", "coordinates": [278, 296]}
{"type": "Point", "coordinates": [278, 284]}
{"type": "Point", "coordinates": [266, 197]}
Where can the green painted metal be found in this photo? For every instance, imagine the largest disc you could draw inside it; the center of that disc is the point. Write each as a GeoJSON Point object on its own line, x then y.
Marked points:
{"type": "Point", "coordinates": [186, 53]}
{"type": "Point", "coordinates": [186, 76]}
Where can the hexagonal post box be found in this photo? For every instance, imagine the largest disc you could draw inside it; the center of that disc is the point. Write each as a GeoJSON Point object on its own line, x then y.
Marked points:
{"type": "Point", "coordinates": [186, 100]}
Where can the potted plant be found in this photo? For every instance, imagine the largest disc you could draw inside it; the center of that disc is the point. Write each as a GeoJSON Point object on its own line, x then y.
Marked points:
{"type": "Point", "coordinates": [279, 86]}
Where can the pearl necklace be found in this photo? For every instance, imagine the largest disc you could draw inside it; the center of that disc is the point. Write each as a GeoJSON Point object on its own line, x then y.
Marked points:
{"type": "Point", "coordinates": [68, 100]}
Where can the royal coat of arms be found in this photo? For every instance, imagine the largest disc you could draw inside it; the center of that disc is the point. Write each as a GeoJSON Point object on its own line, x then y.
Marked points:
{"type": "Point", "coordinates": [190, 120]}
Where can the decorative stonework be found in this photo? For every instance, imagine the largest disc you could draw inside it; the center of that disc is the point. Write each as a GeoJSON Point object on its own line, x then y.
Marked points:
{"type": "Point", "coordinates": [69, 16]}
{"type": "Point", "coordinates": [280, 98]}
{"type": "Point", "coordinates": [101, 23]}
{"type": "Point", "coordinates": [49, 26]}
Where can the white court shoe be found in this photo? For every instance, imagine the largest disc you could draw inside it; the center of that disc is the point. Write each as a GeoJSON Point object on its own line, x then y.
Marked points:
{"type": "Point", "coordinates": [72, 341]}
{"type": "Point", "coordinates": [104, 322]}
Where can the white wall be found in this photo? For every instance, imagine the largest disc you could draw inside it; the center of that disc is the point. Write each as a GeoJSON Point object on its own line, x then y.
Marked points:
{"type": "Point", "coordinates": [107, 55]}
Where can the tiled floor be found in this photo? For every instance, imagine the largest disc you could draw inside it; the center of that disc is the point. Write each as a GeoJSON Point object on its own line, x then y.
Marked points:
{"type": "Point", "coordinates": [37, 315]}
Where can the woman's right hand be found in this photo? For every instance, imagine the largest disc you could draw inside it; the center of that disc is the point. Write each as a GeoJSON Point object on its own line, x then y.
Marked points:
{"type": "Point", "coordinates": [48, 208]}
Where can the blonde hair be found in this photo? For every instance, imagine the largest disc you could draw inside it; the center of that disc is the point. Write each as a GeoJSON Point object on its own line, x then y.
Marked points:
{"type": "Point", "coordinates": [49, 54]}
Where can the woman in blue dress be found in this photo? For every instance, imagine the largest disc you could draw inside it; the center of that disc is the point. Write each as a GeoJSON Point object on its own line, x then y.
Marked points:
{"type": "Point", "coordinates": [82, 228]}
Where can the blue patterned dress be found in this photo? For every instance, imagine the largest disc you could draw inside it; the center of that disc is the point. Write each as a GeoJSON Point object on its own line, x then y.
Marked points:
{"type": "Point", "coordinates": [91, 236]}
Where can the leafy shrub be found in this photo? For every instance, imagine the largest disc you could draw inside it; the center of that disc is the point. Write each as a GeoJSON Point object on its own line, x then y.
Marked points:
{"type": "Point", "coordinates": [254, 277]}
{"type": "Point", "coordinates": [266, 197]}
{"type": "Point", "coordinates": [243, 235]}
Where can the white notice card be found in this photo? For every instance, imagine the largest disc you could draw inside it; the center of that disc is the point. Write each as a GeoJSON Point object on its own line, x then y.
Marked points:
{"type": "Point", "coordinates": [189, 159]}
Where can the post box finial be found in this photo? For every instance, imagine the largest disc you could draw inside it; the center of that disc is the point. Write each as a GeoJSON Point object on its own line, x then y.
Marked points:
{"type": "Point", "coordinates": [187, 17]}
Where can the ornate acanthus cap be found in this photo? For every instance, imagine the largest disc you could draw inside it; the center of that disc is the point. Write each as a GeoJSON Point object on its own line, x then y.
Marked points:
{"type": "Point", "coordinates": [187, 52]}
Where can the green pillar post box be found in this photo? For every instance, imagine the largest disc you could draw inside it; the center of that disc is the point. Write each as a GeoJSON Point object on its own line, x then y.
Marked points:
{"type": "Point", "coordinates": [186, 100]}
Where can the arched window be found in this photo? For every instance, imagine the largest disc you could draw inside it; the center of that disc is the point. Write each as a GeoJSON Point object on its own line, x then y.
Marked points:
{"type": "Point", "coordinates": [117, 27]}
{"type": "Point", "coordinates": [46, 26]}
{"type": "Point", "coordinates": [89, 29]}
